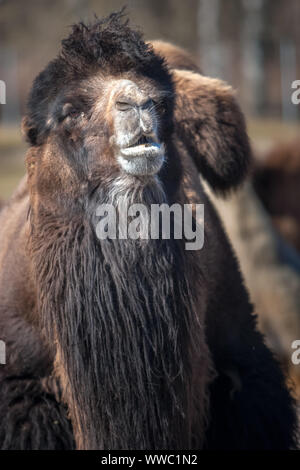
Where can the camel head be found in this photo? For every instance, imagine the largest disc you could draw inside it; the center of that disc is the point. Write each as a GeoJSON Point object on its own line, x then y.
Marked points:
{"type": "Point", "coordinates": [100, 112]}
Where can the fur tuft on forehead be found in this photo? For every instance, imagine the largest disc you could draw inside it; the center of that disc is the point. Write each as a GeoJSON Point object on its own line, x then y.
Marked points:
{"type": "Point", "coordinates": [111, 44]}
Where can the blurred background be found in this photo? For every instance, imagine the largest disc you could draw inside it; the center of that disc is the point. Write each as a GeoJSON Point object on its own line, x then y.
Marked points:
{"type": "Point", "coordinates": [253, 44]}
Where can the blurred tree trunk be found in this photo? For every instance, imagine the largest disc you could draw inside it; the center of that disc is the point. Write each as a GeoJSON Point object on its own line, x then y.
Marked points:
{"type": "Point", "coordinates": [252, 55]}
{"type": "Point", "coordinates": [209, 37]}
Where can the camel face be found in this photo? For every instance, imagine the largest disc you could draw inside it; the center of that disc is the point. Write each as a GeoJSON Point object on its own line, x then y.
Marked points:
{"type": "Point", "coordinates": [100, 112]}
{"type": "Point", "coordinates": [100, 131]}
{"type": "Point", "coordinates": [136, 121]}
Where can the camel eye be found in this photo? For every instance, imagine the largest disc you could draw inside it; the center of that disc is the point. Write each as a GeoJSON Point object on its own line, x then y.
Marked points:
{"type": "Point", "coordinates": [162, 106]}
{"type": "Point", "coordinates": [71, 111]}
{"type": "Point", "coordinates": [123, 105]}
{"type": "Point", "coordinates": [159, 106]}
{"type": "Point", "coordinates": [74, 113]}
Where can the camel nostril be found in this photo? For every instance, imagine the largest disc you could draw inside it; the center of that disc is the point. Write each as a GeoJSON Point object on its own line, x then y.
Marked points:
{"type": "Point", "coordinates": [147, 130]}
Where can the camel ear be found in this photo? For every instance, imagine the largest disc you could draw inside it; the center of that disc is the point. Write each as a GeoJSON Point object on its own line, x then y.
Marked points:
{"type": "Point", "coordinates": [211, 126]}
{"type": "Point", "coordinates": [29, 131]}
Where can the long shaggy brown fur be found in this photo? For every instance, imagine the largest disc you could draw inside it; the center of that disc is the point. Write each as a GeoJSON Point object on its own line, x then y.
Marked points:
{"type": "Point", "coordinates": [33, 417]}
{"type": "Point", "coordinates": [132, 359]}
{"type": "Point", "coordinates": [142, 344]}
{"type": "Point", "coordinates": [177, 57]}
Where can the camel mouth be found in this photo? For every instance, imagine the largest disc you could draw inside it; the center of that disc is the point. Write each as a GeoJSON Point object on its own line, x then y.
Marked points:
{"type": "Point", "coordinates": [144, 158]}
{"type": "Point", "coordinates": [143, 140]}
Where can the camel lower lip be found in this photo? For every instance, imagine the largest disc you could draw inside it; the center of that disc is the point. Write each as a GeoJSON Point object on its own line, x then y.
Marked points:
{"type": "Point", "coordinates": [144, 159]}
{"type": "Point", "coordinates": [147, 150]}
{"type": "Point", "coordinates": [142, 165]}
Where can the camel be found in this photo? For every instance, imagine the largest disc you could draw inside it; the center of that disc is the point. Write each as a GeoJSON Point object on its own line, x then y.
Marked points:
{"type": "Point", "coordinates": [139, 343]}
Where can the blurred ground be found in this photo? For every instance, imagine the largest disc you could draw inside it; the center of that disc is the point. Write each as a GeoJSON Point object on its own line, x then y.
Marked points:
{"type": "Point", "coordinates": [263, 133]}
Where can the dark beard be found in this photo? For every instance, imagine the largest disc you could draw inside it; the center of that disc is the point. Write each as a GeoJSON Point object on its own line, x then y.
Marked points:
{"type": "Point", "coordinates": [122, 316]}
